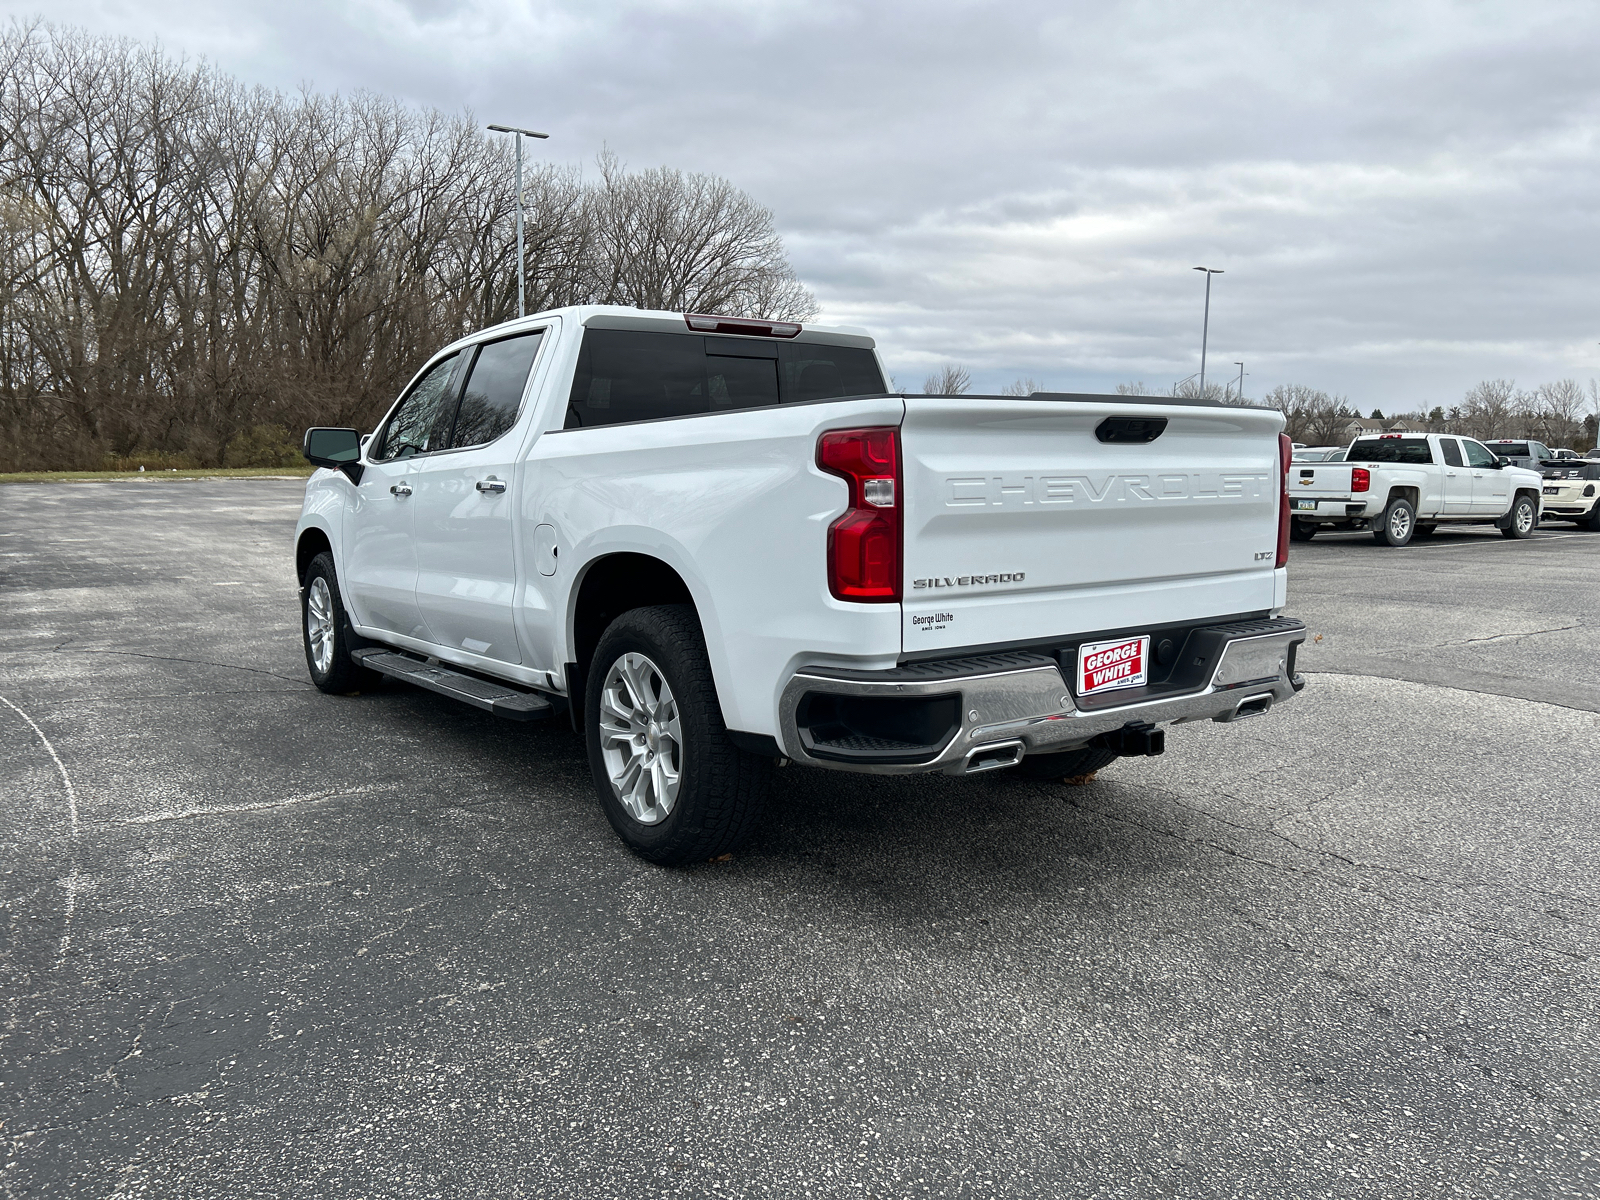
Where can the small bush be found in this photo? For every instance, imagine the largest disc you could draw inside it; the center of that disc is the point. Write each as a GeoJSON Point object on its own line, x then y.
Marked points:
{"type": "Point", "coordinates": [263, 446]}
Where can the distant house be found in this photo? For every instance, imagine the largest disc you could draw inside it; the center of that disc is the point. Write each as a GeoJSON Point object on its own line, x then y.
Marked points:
{"type": "Point", "coordinates": [1359, 427]}
{"type": "Point", "coordinates": [1409, 427]}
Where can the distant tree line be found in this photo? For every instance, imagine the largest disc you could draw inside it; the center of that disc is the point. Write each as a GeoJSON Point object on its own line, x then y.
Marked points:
{"type": "Point", "coordinates": [192, 270]}
{"type": "Point", "coordinates": [1563, 413]}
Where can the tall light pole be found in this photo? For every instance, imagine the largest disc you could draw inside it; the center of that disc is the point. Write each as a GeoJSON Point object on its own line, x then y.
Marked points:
{"type": "Point", "coordinates": [522, 304]}
{"type": "Point", "coordinates": [1240, 365]}
{"type": "Point", "coordinates": [1205, 329]}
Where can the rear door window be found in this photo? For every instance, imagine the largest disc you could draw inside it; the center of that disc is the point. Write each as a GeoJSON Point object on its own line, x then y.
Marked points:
{"type": "Point", "coordinates": [625, 375]}
{"type": "Point", "coordinates": [1452, 452]}
{"type": "Point", "coordinates": [493, 394]}
{"type": "Point", "coordinates": [415, 426]}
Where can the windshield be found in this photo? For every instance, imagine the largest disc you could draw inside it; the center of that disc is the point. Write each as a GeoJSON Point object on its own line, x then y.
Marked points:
{"type": "Point", "coordinates": [1394, 450]}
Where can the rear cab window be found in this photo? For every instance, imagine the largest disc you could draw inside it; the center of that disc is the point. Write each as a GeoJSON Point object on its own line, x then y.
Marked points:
{"type": "Point", "coordinates": [626, 375]}
{"type": "Point", "coordinates": [1391, 450]}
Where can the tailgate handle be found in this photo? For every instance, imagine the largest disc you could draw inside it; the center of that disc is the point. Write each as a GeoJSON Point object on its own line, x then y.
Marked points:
{"type": "Point", "coordinates": [1130, 431]}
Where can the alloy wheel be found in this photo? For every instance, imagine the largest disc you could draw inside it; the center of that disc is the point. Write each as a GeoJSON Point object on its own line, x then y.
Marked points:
{"type": "Point", "coordinates": [319, 624]}
{"type": "Point", "coordinates": [641, 738]}
{"type": "Point", "coordinates": [1399, 524]}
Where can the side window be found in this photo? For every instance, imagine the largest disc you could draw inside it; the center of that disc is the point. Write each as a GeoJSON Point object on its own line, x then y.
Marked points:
{"type": "Point", "coordinates": [415, 425]}
{"type": "Point", "coordinates": [1452, 452]}
{"type": "Point", "coordinates": [1478, 455]}
{"type": "Point", "coordinates": [493, 394]}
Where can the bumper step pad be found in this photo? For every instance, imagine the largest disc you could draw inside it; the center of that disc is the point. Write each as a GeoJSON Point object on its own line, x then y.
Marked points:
{"type": "Point", "coordinates": [495, 698]}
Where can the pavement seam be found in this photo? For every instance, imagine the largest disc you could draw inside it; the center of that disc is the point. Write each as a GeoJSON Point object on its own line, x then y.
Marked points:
{"type": "Point", "coordinates": [72, 826]}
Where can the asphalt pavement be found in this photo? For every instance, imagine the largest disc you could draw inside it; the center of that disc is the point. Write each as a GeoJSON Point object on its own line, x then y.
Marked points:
{"type": "Point", "coordinates": [263, 942]}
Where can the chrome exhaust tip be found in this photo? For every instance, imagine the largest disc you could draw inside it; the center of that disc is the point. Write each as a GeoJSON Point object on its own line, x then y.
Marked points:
{"type": "Point", "coordinates": [992, 758]}
{"type": "Point", "coordinates": [1255, 706]}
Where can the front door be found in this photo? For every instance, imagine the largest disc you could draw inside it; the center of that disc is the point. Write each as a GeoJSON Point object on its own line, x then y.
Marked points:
{"type": "Point", "coordinates": [466, 503]}
{"type": "Point", "coordinates": [379, 573]}
{"type": "Point", "coordinates": [1491, 489]}
{"type": "Point", "coordinates": [1457, 480]}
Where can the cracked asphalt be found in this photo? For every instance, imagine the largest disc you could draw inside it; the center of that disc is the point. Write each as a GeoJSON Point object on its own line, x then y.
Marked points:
{"type": "Point", "coordinates": [263, 942]}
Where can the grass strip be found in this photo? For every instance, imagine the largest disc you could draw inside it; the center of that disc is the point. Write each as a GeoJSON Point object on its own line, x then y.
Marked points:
{"type": "Point", "coordinates": [117, 476]}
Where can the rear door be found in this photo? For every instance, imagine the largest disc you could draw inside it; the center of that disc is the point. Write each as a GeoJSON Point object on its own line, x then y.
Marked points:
{"type": "Point", "coordinates": [465, 504]}
{"type": "Point", "coordinates": [1457, 479]}
{"type": "Point", "coordinates": [1037, 518]}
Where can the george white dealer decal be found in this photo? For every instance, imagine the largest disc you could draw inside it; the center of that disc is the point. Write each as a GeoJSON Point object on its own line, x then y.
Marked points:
{"type": "Point", "coordinates": [1017, 490]}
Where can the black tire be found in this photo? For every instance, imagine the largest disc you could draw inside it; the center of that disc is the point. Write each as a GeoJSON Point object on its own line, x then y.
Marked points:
{"type": "Point", "coordinates": [336, 674]}
{"type": "Point", "coordinates": [1592, 521]}
{"type": "Point", "coordinates": [1301, 531]}
{"type": "Point", "coordinates": [1523, 519]}
{"type": "Point", "coordinates": [1064, 764]}
{"type": "Point", "coordinates": [1399, 524]}
{"type": "Point", "coordinates": [721, 789]}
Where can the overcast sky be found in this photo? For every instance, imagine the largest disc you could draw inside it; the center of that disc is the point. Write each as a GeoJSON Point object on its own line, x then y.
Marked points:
{"type": "Point", "coordinates": [1403, 197]}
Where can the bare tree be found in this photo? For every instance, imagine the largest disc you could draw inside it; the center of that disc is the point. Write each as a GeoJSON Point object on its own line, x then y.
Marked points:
{"type": "Point", "coordinates": [189, 268]}
{"type": "Point", "coordinates": [949, 380]}
{"type": "Point", "coordinates": [1022, 387]}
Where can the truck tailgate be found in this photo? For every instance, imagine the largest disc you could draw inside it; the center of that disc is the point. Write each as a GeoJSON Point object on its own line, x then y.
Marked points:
{"type": "Point", "coordinates": [1021, 525]}
{"type": "Point", "coordinates": [1315, 482]}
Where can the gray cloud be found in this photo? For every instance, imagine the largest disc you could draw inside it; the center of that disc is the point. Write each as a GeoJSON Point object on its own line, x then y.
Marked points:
{"type": "Point", "coordinates": [1401, 195]}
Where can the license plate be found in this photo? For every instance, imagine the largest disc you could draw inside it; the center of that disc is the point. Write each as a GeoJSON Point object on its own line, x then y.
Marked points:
{"type": "Point", "coordinates": [1105, 666]}
{"type": "Point", "coordinates": [1552, 491]}
{"type": "Point", "coordinates": [1304, 505]}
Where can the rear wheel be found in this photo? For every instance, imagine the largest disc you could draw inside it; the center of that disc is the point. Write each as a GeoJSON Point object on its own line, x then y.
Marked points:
{"type": "Point", "coordinates": [1064, 764]}
{"type": "Point", "coordinates": [1302, 531]}
{"type": "Point", "coordinates": [1399, 524]}
{"type": "Point", "coordinates": [1592, 521]}
{"type": "Point", "coordinates": [1523, 519]}
{"type": "Point", "coordinates": [672, 783]}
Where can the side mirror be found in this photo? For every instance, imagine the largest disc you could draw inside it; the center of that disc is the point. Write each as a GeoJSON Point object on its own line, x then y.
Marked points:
{"type": "Point", "coordinates": [336, 449]}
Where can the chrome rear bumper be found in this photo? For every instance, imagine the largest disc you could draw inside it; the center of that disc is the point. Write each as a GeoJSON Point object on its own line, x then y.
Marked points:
{"type": "Point", "coordinates": [1022, 697]}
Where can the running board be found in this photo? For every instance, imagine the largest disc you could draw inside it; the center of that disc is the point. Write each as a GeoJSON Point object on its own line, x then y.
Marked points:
{"type": "Point", "coordinates": [469, 689]}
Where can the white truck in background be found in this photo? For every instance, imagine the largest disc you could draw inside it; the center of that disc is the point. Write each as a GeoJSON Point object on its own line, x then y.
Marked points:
{"type": "Point", "coordinates": [1405, 485]}
{"type": "Point", "coordinates": [716, 544]}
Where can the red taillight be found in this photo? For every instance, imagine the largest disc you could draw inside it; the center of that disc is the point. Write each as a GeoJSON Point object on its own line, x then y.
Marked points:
{"type": "Point", "coordinates": [864, 544]}
{"type": "Point", "coordinates": [708, 324]}
{"type": "Point", "coordinates": [1360, 479]}
{"type": "Point", "coordinates": [1285, 456]}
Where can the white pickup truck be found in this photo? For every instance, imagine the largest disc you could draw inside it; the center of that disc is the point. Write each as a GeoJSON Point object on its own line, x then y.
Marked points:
{"type": "Point", "coordinates": [1405, 485]}
{"type": "Point", "coordinates": [720, 544]}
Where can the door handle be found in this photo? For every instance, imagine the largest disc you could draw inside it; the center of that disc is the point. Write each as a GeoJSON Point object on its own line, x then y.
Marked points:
{"type": "Point", "coordinates": [400, 489]}
{"type": "Point", "coordinates": [492, 484]}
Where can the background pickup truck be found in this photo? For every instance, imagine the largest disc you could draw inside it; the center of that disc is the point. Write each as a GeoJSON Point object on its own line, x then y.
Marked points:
{"type": "Point", "coordinates": [1405, 485]}
{"type": "Point", "coordinates": [720, 544]}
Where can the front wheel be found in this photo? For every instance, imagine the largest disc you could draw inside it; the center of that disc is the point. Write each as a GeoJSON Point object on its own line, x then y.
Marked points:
{"type": "Point", "coordinates": [1399, 524]}
{"type": "Point", "coordinates": [1522, 520]}
{"type": "Point", "coordinates": [672, 783]}
{"type": "Point", "coordinates": [329, 638]}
